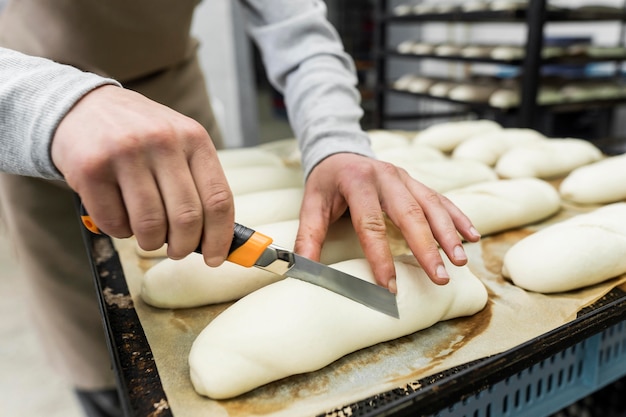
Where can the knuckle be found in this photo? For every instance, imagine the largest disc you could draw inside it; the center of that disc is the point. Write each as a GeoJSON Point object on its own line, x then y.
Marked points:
{"type": "Point", "coordinates": [187, 217]}
{"type": "Point", "coordinates": [149, 224]}
{"type": "Point", "coordinates": [219, 200]}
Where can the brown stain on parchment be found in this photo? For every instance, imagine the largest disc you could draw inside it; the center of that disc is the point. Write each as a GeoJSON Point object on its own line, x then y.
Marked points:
{"type": "Point", "coordinates": [465, 329]}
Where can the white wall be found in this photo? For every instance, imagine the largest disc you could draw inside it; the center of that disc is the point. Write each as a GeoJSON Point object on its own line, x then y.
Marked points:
{"type": "Point", "coordinates": [225, 56]}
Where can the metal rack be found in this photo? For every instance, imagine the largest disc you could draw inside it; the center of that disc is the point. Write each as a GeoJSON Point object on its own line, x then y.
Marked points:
{"type": "Point", "coordinates": [534, 17]}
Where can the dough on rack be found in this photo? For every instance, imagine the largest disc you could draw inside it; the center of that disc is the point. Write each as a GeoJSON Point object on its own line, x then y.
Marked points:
{"type": "Point", "coordinates": [488, 147]}
{"type": "Point", "coordinates": [447, 136]}
{"type": "Point", "coordinates": [387, 139]}
{"type": "Point", "coordinates": [409, 156]}
{"type": "Point", "coordinates": [270, 206]}
{"type": "Point", "coordinates": [448, 174]}
{"type": "Point", "coordinates": [292, 327]}
{"type": "Point", "coordinates": [251, 179]}
{"type": "Point", "coordinates": [495, 206]}
{"type": "Point", "coordinates": [189, 282]}
{"type": "Point", "coordinates": [601, 182]}
{"type": "Point", "coordinates": [551, 158]}
{"type": "Point", "coordinates": [245, 157]}
{"type": "Point", "coordinates": [584, 250]}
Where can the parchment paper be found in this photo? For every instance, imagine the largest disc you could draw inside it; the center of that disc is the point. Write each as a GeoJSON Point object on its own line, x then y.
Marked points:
{"type": "Point", "coordinates": [511, 317]}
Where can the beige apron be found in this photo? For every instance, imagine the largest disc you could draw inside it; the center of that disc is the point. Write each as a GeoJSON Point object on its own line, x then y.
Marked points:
{"type": "Point", "coordinates": [145, 44]}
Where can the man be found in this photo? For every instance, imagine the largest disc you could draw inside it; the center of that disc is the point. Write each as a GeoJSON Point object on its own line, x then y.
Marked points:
{"type": "Point", "coordinates": [138, 143]}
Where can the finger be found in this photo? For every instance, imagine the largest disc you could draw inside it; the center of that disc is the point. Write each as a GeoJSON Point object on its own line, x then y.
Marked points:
{"type": "Point", "coordinates": [369, 223]}
{"type": "Point", "coordinates": [313, 226]}
{"type": "Point", "coordinates": [462, 223]}
{"type": "Point", "coordinates": [183, 208]}
{"type": "Point", "coordinates": [441, 223]}
{"type": "Point", "coordinates": [217, 204]}
{"type": "Point", "coordinates": [408, 215]}
{"type": "Point", "coordinates": [105, 206]}
{"type": "Point", "coordinates": [145, 209]}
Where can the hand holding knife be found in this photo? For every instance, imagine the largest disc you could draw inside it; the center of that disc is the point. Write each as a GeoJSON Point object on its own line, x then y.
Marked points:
{"type": "Point", "coordinates": [250, 248]}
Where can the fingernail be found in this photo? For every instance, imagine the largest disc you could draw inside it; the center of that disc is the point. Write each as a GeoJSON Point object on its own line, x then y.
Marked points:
{"type": "Point", "coordinates": [474, 232]}
{"type": "Point", "coordinates": [459, 253]}
{"type": "Point", "coordinates": [392, 286]}
{"type": "Point", "coordinates": [442, 273]}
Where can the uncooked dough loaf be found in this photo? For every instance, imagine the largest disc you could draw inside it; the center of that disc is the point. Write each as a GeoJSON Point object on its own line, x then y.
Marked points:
{"type": "Point", "coordinates": [410, 156]}
{"type": "Point", "coordinates": [599, 183]}
{"type": "Point", "coordinates": [583, 250]}
{"type": "Point", "coordinates": [292, 327]}
{"type": "Point", "coordinates": [245, 157]}
{"type": "Point", "coordinates": [447, 136]}
{"type": "Point", "coordinates": [251, 179]}
{"type": "Point", "coordinates": [189, 282]}
{"type": "Point", "coordinates": [495, 206]}
{"type": "Point", "coordinates": [448, 174]}
{"type": "Point", "coordinates": [387, 139]}
{"type": "Point", "coordinates": [547, 159]}
{"type": "Point", "coordinates": [269, 206]}
{"type": "Point", "coordinates": [488, 147]}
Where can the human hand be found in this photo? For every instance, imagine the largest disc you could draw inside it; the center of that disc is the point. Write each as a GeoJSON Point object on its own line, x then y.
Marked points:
{"type": "Point", "coordinates": [141, 168]}
{"type": "Point", "coordinates": [369, 188]}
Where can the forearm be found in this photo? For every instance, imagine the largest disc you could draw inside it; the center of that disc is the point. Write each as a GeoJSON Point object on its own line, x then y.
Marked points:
{"type": "Point", "coordinates": [305, 60]}
{"type": "Point", "coordinates": [35, 94]}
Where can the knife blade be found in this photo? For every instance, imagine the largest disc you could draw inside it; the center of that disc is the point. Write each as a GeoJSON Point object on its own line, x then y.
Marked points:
{"type": "Point", "coordinates": [250, 248]}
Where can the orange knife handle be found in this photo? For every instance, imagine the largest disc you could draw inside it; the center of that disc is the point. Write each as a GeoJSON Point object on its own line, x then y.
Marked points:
{"type": "Point", "coordinates": [248, 246]}
{"type": "Point", "coordinates": [87, 222]}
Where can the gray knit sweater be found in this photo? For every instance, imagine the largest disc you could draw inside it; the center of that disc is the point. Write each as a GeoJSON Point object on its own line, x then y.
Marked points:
{"type": "Point", "coordinates": [303, 57]}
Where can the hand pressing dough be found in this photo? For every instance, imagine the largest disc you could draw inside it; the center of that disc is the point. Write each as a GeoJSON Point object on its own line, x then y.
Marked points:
{"type": "Point", "coordinates": [269, 206]}
{"type": "Point", "coordinates": [584, 250]}
{"type": "Point", "coordinates": [601, 182]}
{"type": "Point", "coordinates": [447, 136]}
{"type": "Point", "coordinates": [448, 174]}
{"type": "Point", "coordinates": [496, 206]}
{"type": "Point", "coordinates": [189, 282]}
{"type": "Point", "coordinates": [550, 158]}
{"type": "Point", "coordinates": [488, 147]}
{"type": "Point", "coordinates": [292, 327]}
{"type": "Point", "coordinates": [251, 179]}
{"type": "Point", "coordinates": [245, 157]}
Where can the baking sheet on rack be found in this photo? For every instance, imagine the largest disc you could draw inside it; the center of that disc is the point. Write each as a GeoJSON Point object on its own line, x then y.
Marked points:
{"type": "Point", "coordinates": [512, 316]}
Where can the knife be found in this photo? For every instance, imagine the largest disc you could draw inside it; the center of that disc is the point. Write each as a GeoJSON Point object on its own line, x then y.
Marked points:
{"type": "Point", "coordinates": [250, 248]}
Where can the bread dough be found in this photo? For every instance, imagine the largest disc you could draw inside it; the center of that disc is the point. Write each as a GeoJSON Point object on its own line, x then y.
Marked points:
{"type": "Point", "coordinates": [447, 136]}
{"type": "Point", "coordinates": [292, 327]}
{"type": "Point", "coordinates": [472, 93]}
{"type": "Point", "coordinates": [550, 158]}
{"type": "Point", "coordinates": [386, 139]}
{"type": "Point", "coordinates": [447, 174]}
{"type": "Point", "coordinates": [245, 157]}
{"type": "Point", "coordinates": [601, 182]}
{"type": "Point", "coordinates": [496, 206]}
{"type": "Point", "coordinates": [409, 156]}
{"type": "Point", "coordinates": [583, 250]}
{"type": "Point", "coordinates": [189, 282]}
{"type": "Point", "coordinates": [441, 88]}
{"type": "Point", "coordinates": [243, 180]}
{"type": "Point", "coordinates": [269, 206]}
{"type": "Point", "coordinates": [488, 147]}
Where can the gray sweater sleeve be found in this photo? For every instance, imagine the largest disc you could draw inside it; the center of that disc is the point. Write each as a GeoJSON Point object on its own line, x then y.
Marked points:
{"type": "Point", "coordinates": [35, 94]}
{"type": "Point", "coordinates": [305, 60]}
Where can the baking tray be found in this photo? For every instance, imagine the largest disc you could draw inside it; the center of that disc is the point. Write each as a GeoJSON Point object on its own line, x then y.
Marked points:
{"type": "Point", "coordinates": [142, 393]}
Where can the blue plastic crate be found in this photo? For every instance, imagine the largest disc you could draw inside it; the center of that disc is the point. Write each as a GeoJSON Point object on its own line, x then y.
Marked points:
{"type": "Point", "coordinates": [548, 386]}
